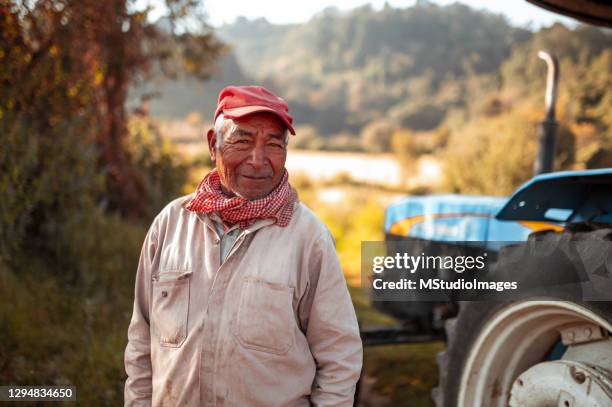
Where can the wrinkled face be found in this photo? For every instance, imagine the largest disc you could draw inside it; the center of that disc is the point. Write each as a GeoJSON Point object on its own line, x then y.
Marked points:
{"type": "Point", "coordinates": [251, 158]}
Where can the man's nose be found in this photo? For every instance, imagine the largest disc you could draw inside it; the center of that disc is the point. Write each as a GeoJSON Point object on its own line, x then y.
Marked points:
{"type": "Point", "coordinates": [257, 158]}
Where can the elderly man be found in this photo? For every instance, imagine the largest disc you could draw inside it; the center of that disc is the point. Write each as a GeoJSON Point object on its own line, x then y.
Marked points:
{"type": "Point", "coordinates": [240, 299]}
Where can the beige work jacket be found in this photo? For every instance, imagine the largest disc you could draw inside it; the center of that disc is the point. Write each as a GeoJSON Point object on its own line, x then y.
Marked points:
{"type": "Point", "coordinates": [272, 326]}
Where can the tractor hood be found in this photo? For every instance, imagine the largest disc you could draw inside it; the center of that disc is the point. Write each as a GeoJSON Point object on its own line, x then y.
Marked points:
{"type": "Point", "coordinates": [563, 197]}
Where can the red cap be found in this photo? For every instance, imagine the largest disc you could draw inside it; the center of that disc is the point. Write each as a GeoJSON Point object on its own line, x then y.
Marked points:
{"type": "Point", "coordinates": [239, 101]}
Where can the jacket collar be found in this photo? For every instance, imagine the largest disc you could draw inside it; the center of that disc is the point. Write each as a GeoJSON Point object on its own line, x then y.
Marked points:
{"type": "Point", "coordinates": [258, 224]}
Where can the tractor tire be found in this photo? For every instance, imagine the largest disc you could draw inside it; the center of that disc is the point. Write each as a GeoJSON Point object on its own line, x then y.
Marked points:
{"type": "Point", "coordinates": [463, 332]}
{"type": "Point", "coordinates": [478, 323]}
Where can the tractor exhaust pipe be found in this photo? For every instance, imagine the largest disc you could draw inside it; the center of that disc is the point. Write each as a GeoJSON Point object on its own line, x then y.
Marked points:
{"type": "Point", "coordinates": [548, 127]}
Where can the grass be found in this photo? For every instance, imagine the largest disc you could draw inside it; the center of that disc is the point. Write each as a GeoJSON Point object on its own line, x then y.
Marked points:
{"type": "Point", "coordinates": [402, 375]}
{"type": "Point", "coordinates": [58, 331]}
{"type": "Point", "coordinates": [394, 375]}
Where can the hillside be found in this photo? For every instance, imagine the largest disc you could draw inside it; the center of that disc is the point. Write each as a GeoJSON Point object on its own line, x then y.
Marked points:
{"type": "Point", "coordinates": [340, 71]}
{"type": "Point", "coordinates": [420, 68]}
{"type": "Point", "coordinates": [410, 65]}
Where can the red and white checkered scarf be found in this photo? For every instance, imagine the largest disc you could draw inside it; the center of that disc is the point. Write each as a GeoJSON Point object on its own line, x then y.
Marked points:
{"type": "Point", "coordinates": [277, 205]}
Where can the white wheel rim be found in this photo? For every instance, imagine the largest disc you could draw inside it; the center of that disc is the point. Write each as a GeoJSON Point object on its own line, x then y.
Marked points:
{"type": "Point", "coordinates": [517, 337]}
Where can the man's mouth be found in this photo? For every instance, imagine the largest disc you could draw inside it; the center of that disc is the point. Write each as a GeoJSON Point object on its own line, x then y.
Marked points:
{"type": "Point", "coordinates": [256, 177]}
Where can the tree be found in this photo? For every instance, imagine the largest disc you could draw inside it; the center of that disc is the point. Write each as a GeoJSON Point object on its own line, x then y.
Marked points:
{"type": "Point", "coordinates": [376, 136]}
{"type": "Point", "coordinates": [495, 155]}
{"type": "Point", "coordinates": [65, 68]}
{"type": "Point", "coordinates": [99, 48]}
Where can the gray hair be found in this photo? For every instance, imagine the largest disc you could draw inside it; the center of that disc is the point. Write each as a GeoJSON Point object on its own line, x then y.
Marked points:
{"type": "Point", "coordinates": [221, 126]}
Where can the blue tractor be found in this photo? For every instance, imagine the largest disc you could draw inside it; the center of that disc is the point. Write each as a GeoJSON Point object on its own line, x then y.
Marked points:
{"type": "Point", "coordinates": [517, 353]}
{"type": "Point", "coordinates": [540, 351]}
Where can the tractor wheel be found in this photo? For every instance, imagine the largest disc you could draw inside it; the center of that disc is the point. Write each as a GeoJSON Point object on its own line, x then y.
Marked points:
{"type": "Point", "coordinates": [537, 352]}
{"type": "Point", "coordinates": [497, 343]}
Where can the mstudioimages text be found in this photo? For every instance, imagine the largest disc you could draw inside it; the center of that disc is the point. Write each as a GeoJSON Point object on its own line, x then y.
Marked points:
{"type": "Point", "coordinates": [440, 284]}
{"type": "Point", "coordinates": [405, 261]}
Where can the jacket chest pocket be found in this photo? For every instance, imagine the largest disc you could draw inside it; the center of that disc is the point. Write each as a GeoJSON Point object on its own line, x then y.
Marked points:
{"type": "Point", "coordinates": [265, 318]}
{"type": "Point", "coordinates": [170, 307]}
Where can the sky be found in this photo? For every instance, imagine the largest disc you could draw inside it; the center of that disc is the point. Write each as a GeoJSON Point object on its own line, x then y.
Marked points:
{"type": "Point", "coordinates": [519, 12]}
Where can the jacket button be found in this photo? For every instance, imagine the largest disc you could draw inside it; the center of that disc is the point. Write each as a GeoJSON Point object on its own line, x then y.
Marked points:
{"type": "Point", "coordinates": [217, 241]}
{"type": "Point", "coordinates": [164, 294]}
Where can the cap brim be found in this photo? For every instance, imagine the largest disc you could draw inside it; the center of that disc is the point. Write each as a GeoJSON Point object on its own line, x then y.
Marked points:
{"type": "Point", "coordinates": [238, 112]}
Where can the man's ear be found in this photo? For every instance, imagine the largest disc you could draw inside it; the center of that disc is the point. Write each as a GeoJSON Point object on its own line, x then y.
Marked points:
{"type": "Point", "coordinates": [212, 142]}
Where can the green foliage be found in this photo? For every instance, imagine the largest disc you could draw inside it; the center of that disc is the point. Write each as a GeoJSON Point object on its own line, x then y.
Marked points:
{"type": "Point", "coordinates": [96, 50]}
{"type": "Point", "coordinates": [57, 331]}
{"type": "Point", "coordinates": [493, 148]}
{"type": "Point", "coordinates": [162, 171]}
{"type": "Point", "coordinates": [48, 161]}
{"type": "Point", "coordinates": [576, 50]}
{"type": "Point", "coordinates": [67, 265]}
{"type": "Point", "coordinates": [343, 142]}
{"type": "Point", "coordinates": [376, 137]}
{"type": "Point", "coordinates": [585, 87]}
{"type": "Point", "coordinates": [66, 268]}
{"type": "Point", "coordinates": [307, 138]}
{"type": "Point", "coordinates": [418, 116]}
{"type": "Point", "coordinates": [487, 143]}
{"type": "Point", "coordinates": [592, 102]}
{"type": "Point", "coordinates": [51, 184]}
{"type": "Point", "coordinates": [495, 155]}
